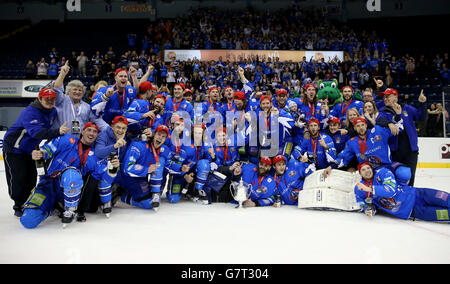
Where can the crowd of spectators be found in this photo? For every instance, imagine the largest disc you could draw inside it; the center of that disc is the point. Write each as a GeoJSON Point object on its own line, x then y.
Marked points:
{"type": "Point", "coordinates": [367, 55]}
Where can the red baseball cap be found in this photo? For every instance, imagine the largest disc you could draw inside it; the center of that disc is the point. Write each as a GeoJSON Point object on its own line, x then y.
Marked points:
{"type": "Point", "coordinates": [47, 93]}
{"type": "Point", "coordinates": [389, 91]}
{"type": "Point", "coordinates": [264, 97]}
{"type": "Point", "coordinates": [162, 127]}
{"type": "Point", "coordinates": [120, 70]}
{"type": "Point", "coordinates": [335, 120]}
{"type": "Point", "coordinates": [90, 124]}
{"type": "Point", "coordinates": [187, 91]}
{"type": "Point", "coordinates": [160, 96]}
{"type": "Point", "coordinates": [181, 85]}
{"type": "Point", "coordinates": [281, 91]}
{"type": "Point", "coordinates": [279, 158]}
{"type": "Point", "coordinates": [145, 86]}
{"type": "Point", "coordinates": [309, 86]}
{"type": "Point", "coordinates": [362, 164]}
{"type": "Point", "coordinates": [239, 96]}
{"type": "Point", "coordinates": [313, 120]}
{"type": "Point", "coordinates": [358, 120]}
{"type": "Point", "coordinates": [266, 160]}
{"type": "Point", "coordinates": [347, 87]}
{"type": "Point", "coordinates": [120, 119]}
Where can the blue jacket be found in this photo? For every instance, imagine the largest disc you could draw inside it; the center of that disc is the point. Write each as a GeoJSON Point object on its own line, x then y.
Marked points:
{"type": "Point", "coordinates": [387, 195]}
{"type": "Point", "coordinates": [105, 145]}
{"type": "Point", "coordinates": [409, 115]}
{"type": "Point", "coordinates": [262, 189]}
{"type": "Point", "coordinates": [114, 106]}
{"type": "Point", "coordinates": [377, 144]}
{"type": "Point", "coordinates": [322, 161]}
{"type": "Point", "coordinates": [291, 182]}
{"type": "Point", "coordinates": [139, 157]}
{"type": "Point", "coordinates": [64, 152]}
{"type": "Point", "coordinates": [31, 127]}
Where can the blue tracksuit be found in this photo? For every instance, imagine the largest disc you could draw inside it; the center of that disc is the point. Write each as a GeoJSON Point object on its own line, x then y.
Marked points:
{"type": "Point", "coordinates": [313, 149]}
{"type": "Point", "coordinates": [291, 182]}
{"type": "Point", "coordinates": [172, 107]}
{"type": "Point", "coordinates": [376, 145]}
{"type": "Point", "coordinates": [262, 189]}
{"type": "Point", "coordinates": [116, 105]}
{"type": "Point", "coordinates": [138, 159]}
{"type": "Point", "coordinates": [31, 127]}
{"type": "Point", "coordinates": [104, 145]}
{"type": "Point", "coordinates": [409, 115]}
{"type": "Point", "coordinates": [64, 152]}
{"type": "Point", "coordinates": [406, 201]}
{"type": "Point", "coordinates": [196, 158]}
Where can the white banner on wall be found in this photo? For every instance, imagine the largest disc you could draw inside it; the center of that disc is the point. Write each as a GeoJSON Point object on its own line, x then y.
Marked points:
{"type": "Point", "coordinates": [22, 88]}
{"type": "Point", "coordinates": [239, 55]}
{"type": "Point", "coordinates": [327, 55]}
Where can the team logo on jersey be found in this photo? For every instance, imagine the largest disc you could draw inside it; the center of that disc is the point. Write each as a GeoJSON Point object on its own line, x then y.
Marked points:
{"type": "Point", "coordinates": [377, 138]}
{"type": "Point", "coordinates": [71, 140]}
{"type": "Point", "coordinates": [387, 203]}
{"type": "Point", "coordinates": [292, 173]}
{"type": "Point", "coordinates": [217, 149]}
{"type": "Point", "coordinates": [146, 146]}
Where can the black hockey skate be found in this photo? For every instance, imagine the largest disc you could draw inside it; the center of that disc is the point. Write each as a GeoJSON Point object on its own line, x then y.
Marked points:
{"type": "Point", "coordinates": [155, 201]}
{"type": "Point", "coordinates": [67, 217]}
{"type": "Point", "coordinates": [107, 209]}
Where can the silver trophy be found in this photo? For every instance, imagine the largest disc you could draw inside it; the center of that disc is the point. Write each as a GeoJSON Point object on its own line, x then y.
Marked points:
{"type": "Point", "coordinates": [240, 192]}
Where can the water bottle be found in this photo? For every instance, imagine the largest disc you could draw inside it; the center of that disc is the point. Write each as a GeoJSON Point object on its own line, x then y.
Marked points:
{"type": "Point", "coordinates": [111, 169]}
{"type": "Point", "coordinates": [40, 164]}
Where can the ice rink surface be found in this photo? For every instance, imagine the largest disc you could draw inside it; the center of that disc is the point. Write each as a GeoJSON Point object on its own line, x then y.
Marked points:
{"type": "Point", "coordinates": [190, 233]}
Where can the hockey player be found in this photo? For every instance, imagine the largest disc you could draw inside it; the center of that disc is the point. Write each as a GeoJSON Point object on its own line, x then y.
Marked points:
{"type": "Point", "coordinates": [225, 160]}
{"type": "Point", "coordinates": [289, 177]}
{"type": "Point", "coordinates": [180, 161]}
{"type": "Point", "coordinates": [144, 114]}
{"type": "Point", "coordinates": [71, 159]}
{"type": "Point", "coordinates": [310, 106]}
{"type": "Point", "coordinates": [143, 170]}
{"type": "Point", "coordinates": [32, 126]}
{"type": "Point", "coordinates": [197, 176]}
{"type": "Point", "coordinates": [113, 139]}
{"type": "Point", "coordinates": [262, 186]}
{"type": "Point", "coordinates": [113, 100]}
{"type": "Point", "coordinates": [339, 136]}
{"type": "Point", "coordinates": [340, 110]}
{"type": "Point", "coordinates": [378, 189]}
{"type": "Point", "coordinates": [209, 112]}
{"type": "Point", "coordinates": [177, 103]}
{"type": "Point", "coordinates": [271, 130]}
{"type": "Point", "coordinates": [372, 143]}
{"type": "Point", "coordinates": [319, 147]}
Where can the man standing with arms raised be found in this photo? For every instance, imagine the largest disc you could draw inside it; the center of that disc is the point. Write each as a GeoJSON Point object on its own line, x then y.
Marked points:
{"type": "Point", "coordinates": [113, 100]}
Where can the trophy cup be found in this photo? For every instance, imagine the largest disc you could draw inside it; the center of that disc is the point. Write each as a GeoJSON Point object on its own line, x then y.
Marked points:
{"type": "Point", "coordinates": [240, 192]}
